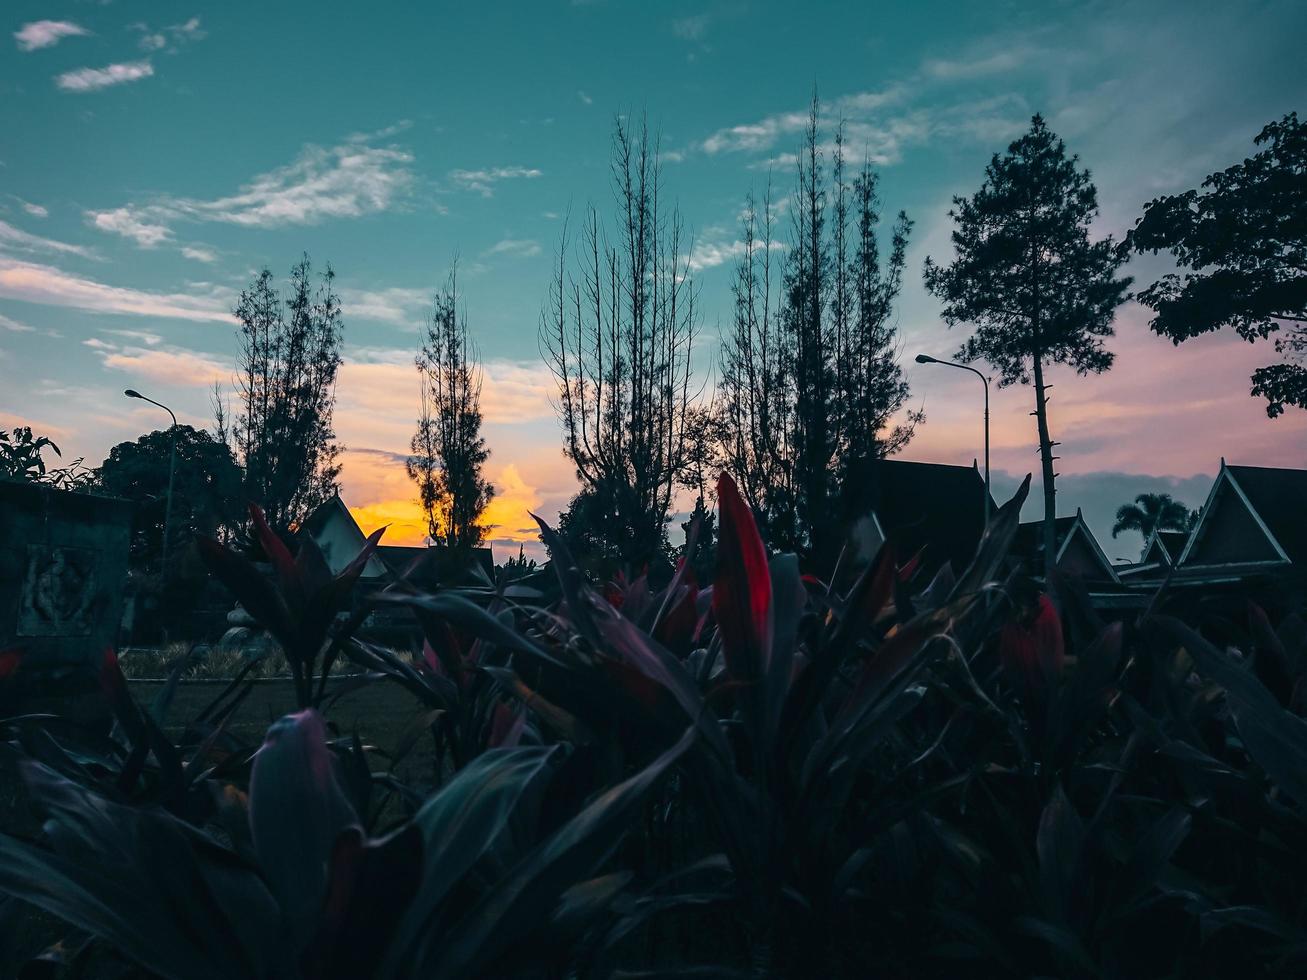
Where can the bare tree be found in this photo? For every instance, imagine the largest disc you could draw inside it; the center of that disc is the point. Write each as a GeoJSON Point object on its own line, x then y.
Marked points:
{"type": "Point", "coordinates": [617, 336]}
{"type": "Point", "coordinates": [448, 448]}
{"type": "Point", "coordinates": [290, 353]}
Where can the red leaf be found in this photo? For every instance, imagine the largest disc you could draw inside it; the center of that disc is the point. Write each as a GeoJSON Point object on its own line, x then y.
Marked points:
{"type": "Point", "coordinates": [1035, 648]}
{"type": "Point", "coordinates": [10, 660]}
{"type": "Point", "coordinates": [273, 546]}
{"type": "Point", "coordinates": [742, 589]}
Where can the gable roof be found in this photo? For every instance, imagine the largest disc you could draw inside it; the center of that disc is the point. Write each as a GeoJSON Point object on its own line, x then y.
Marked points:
{"type": "Point", "coordinates": [934, 506]}
{"type": "Point", "coordinates": [1273, 499]}
{"type": "Point", "coordinates": [332, 523]}
{"type": "Point", "coordinates": [1164, 547]}
{"type": "Point", "coordinates": [1029, 541]}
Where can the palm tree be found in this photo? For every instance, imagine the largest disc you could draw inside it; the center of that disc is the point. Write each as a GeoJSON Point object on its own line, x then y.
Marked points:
{"type": "Point", "coordinates": [1152, 512]}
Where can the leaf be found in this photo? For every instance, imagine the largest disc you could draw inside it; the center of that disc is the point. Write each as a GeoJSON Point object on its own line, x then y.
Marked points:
{"type": "Point", "coordinates": [458, 825]}
{"type": "Point", "coordinates": [521, 904]}
{"type": "Point", "coordinates": [297, 811]}
{"type": "Point", "coordinates": [742, 589]}
{"type": "Point", "coordinates": [994, 544]}
{"type": "Point", "coordinates": [1060, 844]}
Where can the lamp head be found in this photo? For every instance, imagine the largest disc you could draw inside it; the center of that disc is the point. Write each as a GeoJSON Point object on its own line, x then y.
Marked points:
{"type": "Point", "coordinates": [926, 359]}
{"type": "Point", "coordinates": [132, 393]}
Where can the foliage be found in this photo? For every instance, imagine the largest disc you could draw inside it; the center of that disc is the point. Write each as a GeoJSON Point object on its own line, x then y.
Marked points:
{"type": "Point", "coordinates": [618, 342]}
{"type": "Point", "coordinates": [1243, 240]}
{"type": "Point", "coordinates": [811, 388]}
{"type": "Point", "coordinates": [21, 459]}
{"type": "Point", "coordinates": [206, 487]}
{"type": "Point", "coordinates": [448, 448]}
{"type": "Point", "coordinates": [770, 775]}
{"type": "Point", "coordinates": [1027, 275]}
{"type": "Point", "coordinates": [286, 381]}
{"type": "Point", "coordinates": [1152, 512]}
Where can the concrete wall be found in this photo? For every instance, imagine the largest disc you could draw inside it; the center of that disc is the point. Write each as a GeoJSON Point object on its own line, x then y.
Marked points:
{"type": "Point", "coordinates": [63, 567]}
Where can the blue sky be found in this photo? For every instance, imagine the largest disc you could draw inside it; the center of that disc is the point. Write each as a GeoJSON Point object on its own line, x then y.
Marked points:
{"type": "Point", "coordinates": [155, 155]}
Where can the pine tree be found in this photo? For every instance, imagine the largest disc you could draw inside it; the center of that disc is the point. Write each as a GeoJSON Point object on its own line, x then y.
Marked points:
{"type": "Point", "coordinates": [448, 448]}
{"type": "Point", "coordinates": [1029, 278]}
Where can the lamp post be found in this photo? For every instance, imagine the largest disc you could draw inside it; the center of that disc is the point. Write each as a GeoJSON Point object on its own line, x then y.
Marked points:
{"type": "Point", "coordinates": [927, 359]}
{"type": "Point", "coordinates": [172, 467]}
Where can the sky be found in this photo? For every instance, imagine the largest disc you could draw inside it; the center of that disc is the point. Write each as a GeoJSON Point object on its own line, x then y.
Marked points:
{"type": "Point", "coordinates": [155, 156]}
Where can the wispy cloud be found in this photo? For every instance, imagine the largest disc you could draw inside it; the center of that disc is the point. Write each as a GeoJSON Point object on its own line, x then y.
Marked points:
{"type": "Point", "coordinates": [692, 28]}
{"type": "Point", "coordinates": [965, 68]}
{"type": "Point", "coordinates": [94, 79]}
{"type": "Point", "coordinates": [484, 181]}
{"type": "Point", "coordinates": [35, 210]}
{"type": "Point", "coordinates": [345, 181]}
{"type": "Point", "coordinates": [581, 94]}
{"type": "Point", "coordinates": [708, 255]}
{"type": "Point", "coordinates": [23, 241]}
{"type": "Point", "coordinates": [523, 247]}
{"type": "Point", "coordinates": [402, 306]}
{"type": "Point", "coordinates": [14, 326]}
{"type": "Point", "coordinates": [32, 282]}
{"type": "Point", "coordinates": [161, 363]}
{"type": "Point", "coordinates": [46, 33]}
{"type": "Point", "coordinates": [170, 38]}
{"type": "Point", "coordinates": [197, 254]}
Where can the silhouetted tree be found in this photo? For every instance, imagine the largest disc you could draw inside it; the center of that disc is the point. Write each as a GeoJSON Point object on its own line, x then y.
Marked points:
{"type": "Point", "coordinates": [810, 382]}
{"type": "Point", "coordinates": [1152, 512]}
{"type": "Point", "coordinates": [448, 448]}
{"type": "Point", "coordinates": [1029, 278]}
{"type": "Point", "coordinates": [618, 342]}
{"type": "Point", "coordinates": [22, 460]}
{"type": "Point", "coordinates": [1243, 239]}
{"type": "Point", "coordinates": [286, 382]}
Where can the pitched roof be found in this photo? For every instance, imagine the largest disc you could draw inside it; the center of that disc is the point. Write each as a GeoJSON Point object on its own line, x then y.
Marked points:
{"type": "Point", "coordinates": [1029, 541]}
{"type": "Point", "coordinates": [1165, 547]}
{"type": "Point", "coordinates": [934, 506]}
{"type": "Point", "coordinates": [1279, 497]}
{"type": "Point", "coordinates": [319, 526]}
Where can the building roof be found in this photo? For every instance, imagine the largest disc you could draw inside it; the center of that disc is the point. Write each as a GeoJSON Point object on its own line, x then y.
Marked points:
{"type": "Point", "coordinates": [1268, 501]}
{"type": "Point", "coordinates": [930, 506]}
{"type": "Point", "coordinates": [1069, 533]}
{"type": "Point", "coordinates": [1164, 547]}
{"type": "Point", "coordinates": [430, 565]}
{"type": "Point", "coordinates": [333, 528]}
{"type": "Point", "coordinates": [1279, 496]}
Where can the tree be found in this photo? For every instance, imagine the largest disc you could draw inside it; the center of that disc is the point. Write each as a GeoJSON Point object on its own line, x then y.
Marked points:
{"type": "Point", "coordinates": [618, 341]}
{"type": "Point", "coordinates": [206, 496]}
{"type": "Point", "coordinates": [1244, 240]}
{"type": "Point", "coordinates": [290, 353]}
{"type": "Point", "coordinates": [1152, 512]}
{"type": "Point", "coordinates": [448, 449]}
{"type": "Point", "coordinates": [1027, 276]}
{"type": "Point", "coordinates": [22, 460]}
{"type": "Point", "coordinates": [810, 382]}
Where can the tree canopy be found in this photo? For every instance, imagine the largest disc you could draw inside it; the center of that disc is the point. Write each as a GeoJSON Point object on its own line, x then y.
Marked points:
{"type": "Point", "coordinates": [1026, 274]}
{"type": "Point", "coordinates": [1243, 240]}
{"type": "Point", "coordinates": [1152, 512]}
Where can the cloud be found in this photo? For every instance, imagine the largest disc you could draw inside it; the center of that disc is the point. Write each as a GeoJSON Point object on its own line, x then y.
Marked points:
{"type": "Point", "coordinates": [35, 210]}
{"type": "Point", "coordinates": [484, 181]}
{"type": "Point", "coordinates": [346, 181]}
{"type": "Point", "coordinates": [94, 79]}
{"type": "Point", "coordinates": [401, 305]}
{"type": "Point", "coordinates": [708, 255]}
{"type": "Point", "coordinates": [588, 100]}
{"type": "Point", "coordinates": [46, 33]}
{"type": "Point", "coordinates": [170, 38]}
{"type": "Point", "coordinates": [132, 224]}
{"type": "Point", "coordinates": [176, 366]}
{"type": "Point", "coordinates": [692, 28]}
{"type": "Point", "coordinates": [198, 254]}
{"type": "Point", "coordinates": [16, 238]}
{"type": "Point", "coordinates": [952, 70]}
{"type": "Point", "coordinates": [35, 283]}
{"type": "Point", "coordinates": [13, 326]}
{"type": "Point", "coordinates": [523, 247]}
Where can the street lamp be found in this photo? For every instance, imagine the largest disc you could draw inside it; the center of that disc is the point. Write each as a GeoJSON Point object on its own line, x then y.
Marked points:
{"type": "Point", "coordinates": [172, 467]}
{"type": "Point", "coordinates": [927, 359]}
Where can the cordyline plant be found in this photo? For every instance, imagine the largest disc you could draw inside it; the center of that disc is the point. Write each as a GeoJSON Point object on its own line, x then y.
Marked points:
{"type": "Point", "coordinates": [473, 886]}
{"type": "Point", "coordinates": [787, 722]}
{"type": "Point", "coordinates": [299, 604]}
